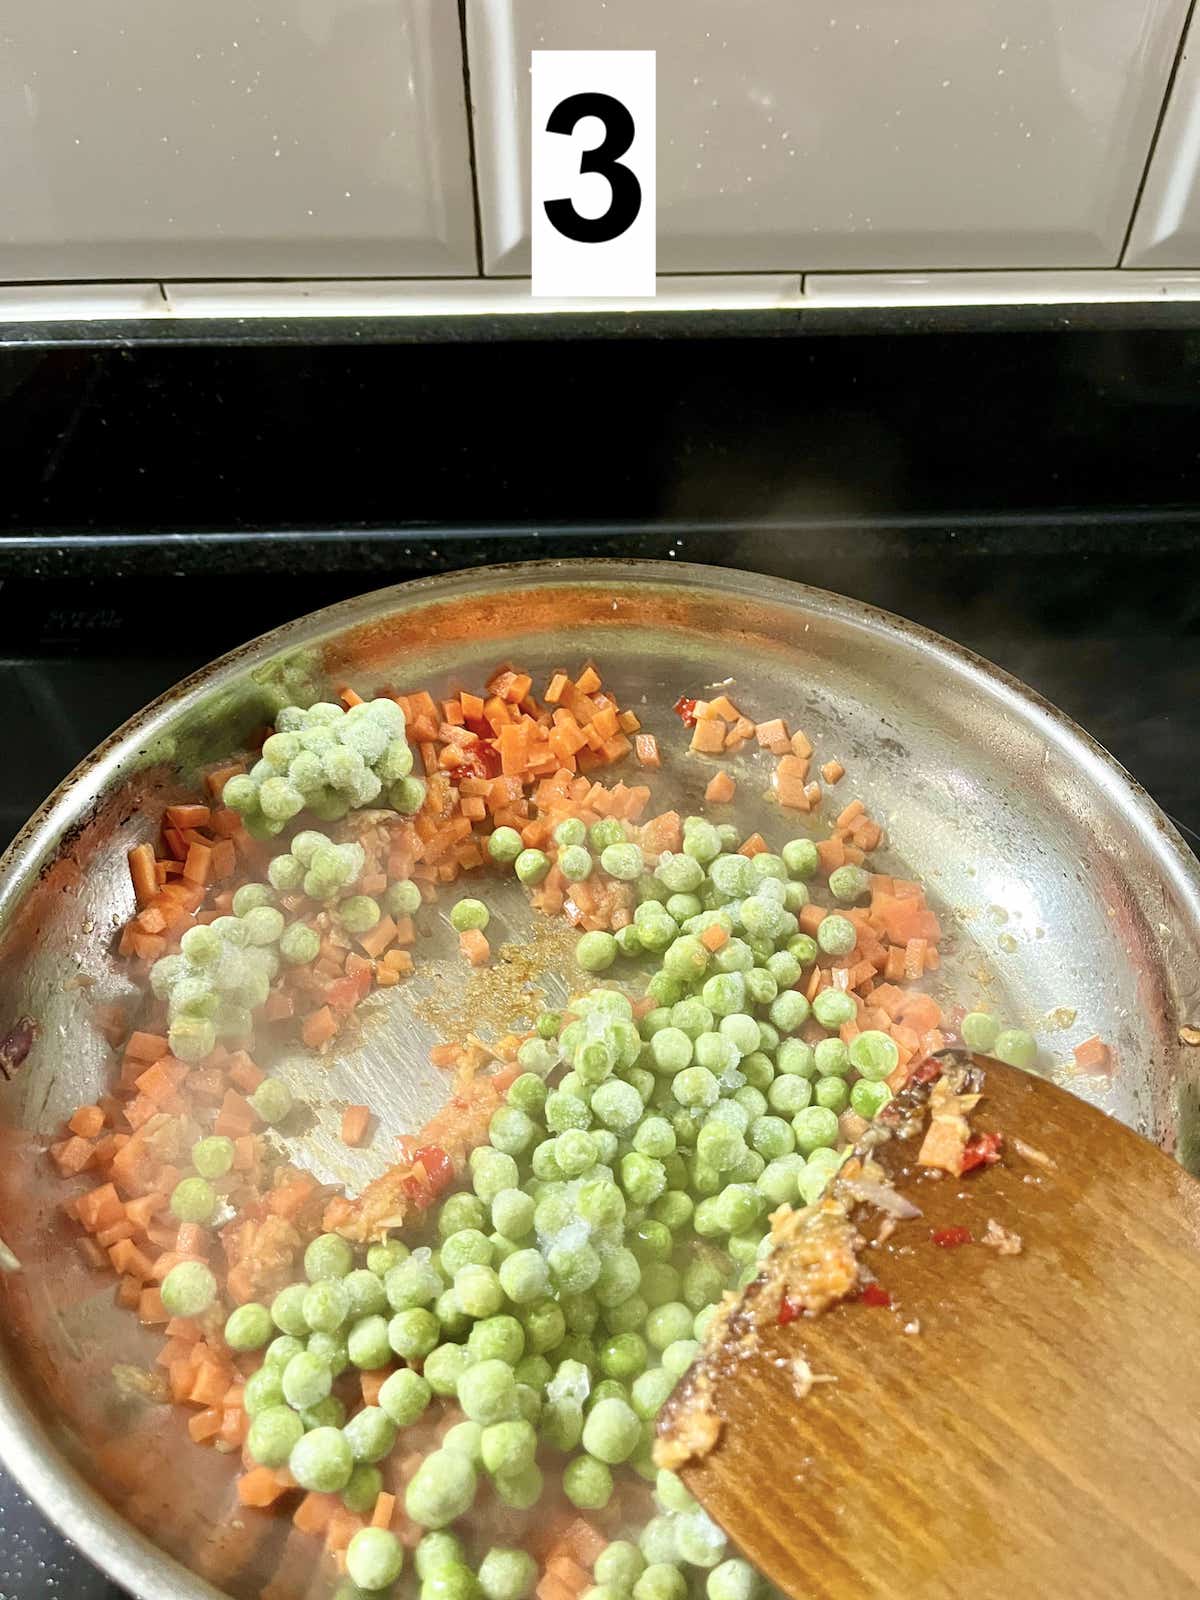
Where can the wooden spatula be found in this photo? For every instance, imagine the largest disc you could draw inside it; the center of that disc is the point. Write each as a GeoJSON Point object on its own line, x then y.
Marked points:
{"type": "Point", "coordinates": [1015, 1426]}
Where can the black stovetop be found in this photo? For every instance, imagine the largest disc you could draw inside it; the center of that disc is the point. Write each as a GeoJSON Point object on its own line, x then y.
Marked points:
{"type": "Point", "coordinates": [137, 485]}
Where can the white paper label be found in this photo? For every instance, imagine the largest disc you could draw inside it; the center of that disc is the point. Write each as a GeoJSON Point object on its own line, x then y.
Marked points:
{"type": "Point", "coordinates": [593, 179]}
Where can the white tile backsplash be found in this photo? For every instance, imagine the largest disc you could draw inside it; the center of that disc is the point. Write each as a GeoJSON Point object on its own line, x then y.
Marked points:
{"type": "Point", "coordinates": [232, 139]}
{"type": "Point", "coordinates": [855, 134]}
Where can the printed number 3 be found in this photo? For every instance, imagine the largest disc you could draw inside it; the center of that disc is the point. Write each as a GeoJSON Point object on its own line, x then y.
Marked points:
{"type": "Point", "coordinates": [625, 191]}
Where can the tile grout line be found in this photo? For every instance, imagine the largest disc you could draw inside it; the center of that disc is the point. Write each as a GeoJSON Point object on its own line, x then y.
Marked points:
{"type": "Point", "coordinates": [1158, 128]}
{"type": "Point", "coordinates": [470, 112]}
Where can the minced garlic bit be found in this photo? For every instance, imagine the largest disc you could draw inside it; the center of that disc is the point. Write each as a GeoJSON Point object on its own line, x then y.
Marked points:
{"type": "Point", "coordinates": [803, 1377]}
{"type": "Point", "coordinates": [1002, 1240]}
{"type": "Point", "coordinates": [1032, 1153]}
{"type": "Point", "coordinates": [912, 1327]}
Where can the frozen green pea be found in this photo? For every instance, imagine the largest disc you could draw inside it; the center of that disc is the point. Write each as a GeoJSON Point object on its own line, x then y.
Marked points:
{"type": "Point", "coordinates": [459, 1211]}
{"type": "Point", "coordinates": [193, 1200]}
{"type": "Point", "coordinates": [191, 1038]}
{"type": "Point", "coordinates": [250, 896]}
{"type": "Point", "coordinates": [587, 1483]}
{"type": "Point", "coordinates": [274, 1433]}
{"type": "Point", "coordinates": [611, 1431]}
{"type": "Point", "coordinates": [831, 1058]}
{"type": "Point", "coordinates": [800, 857]}
{"type": "Point", "coordinates": [686, 958]}
{"type": "Point", "coordinates": [815, 1127]}
{"type": "Point", "coordinates": [365, 1294]}
{"type": "Point", "coordinates": [188, 1289]}
{"type": "Point", "coordinates": [617, 1105]}
{"type": "Point", "coordinates": [359, 913]}
{"type": "Point", "coordinates": [649, 1391]}
{"type": "Point", "coordinates": [374, 1559]}
{"type": "Point", "coordinates": [531, 866]}
{"type": "Point", "coordinates": [724, 993]}
{"type": "Point", "coordinates": [622, 861]}
{"type": "Point", "coordinates": [443, 1367]}
{"type": "Point", "coordinates": [363, 1489]}
{"type": "Point", "coordinates": [524, 1277]}
{"type": "Point", "coordinates": [299, 944]}
{"type": "Point", "coordinates": [789, 1011]}
{"type": "Point", "coordinates": [469, 914]}
{"type": "Point", "coordinates": [1015, 1048]}
{"type": "Point", "coordinates": [832, 1093]}
{"type": "Point", "coordinates": [575, 863]}
{"type": "Point", "coordinates": [833, 1008]}
{"type": "Point", "coordinates": [874, 1054]}
{"type": "Point", "coordinates": [505, 845]}
{"type": "Point", "coordinates": [328, 1256]}
{"type": "Point", "coordinates": [789, 1093]}
{"type": "Point", "coordinates": [508, 1446]}
{"type": "Point", "coordinates": [281, 1350]}
{"type": "Point", "coordinates": [404, 1396]}
{"type": "Point", "coordinates": [836, 935]}
{"type": "Point", "coordinates": [596, 951]}
{"type": "Point", "coordinates": [802, 947]}
{"type": "Point", "coordinates": [306, 1381]}
{"type": "Point", "coordinates": [248, 1327]}
{"type": "Point", "coordinates": [772, 1137]}
{"type": "Point", "coordinates": [413, 1333]}
{"type": "Point", "coordinates": [322, 1461]}
{"type": "Point", "coordinates": [213, 1157]}
{"type": "Point", "coordinates": [370, 1433]}
{"type": "Point", "coordinates": [486, 1392]}
{"type": "Point", "coordinates": [403, 898]}
{"type": "Point", "coordinates": [608, 831]}
{"type": "Point", "coordinates": [848, 884]}
{"type": "Point", "coordinates": [980, 1030]}
{"type": "Point", "coordinates": [367, 1343]}
{"type": "Point", "coordinates": [407, 795]}
{"type": "Point", "coordinates": [619, 1565]}
{"type": "Point", "coordinates": [512, 1213]}
{"type": "Point", "coordinates": [272, 1100]}
{"type": "Point", "coordinates": [696, 1086]}
{"type": "Point", "coordinates": [570, 831]}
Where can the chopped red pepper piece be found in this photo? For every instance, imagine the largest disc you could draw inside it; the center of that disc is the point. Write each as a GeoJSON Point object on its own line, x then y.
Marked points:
{"type": "Point", "coordinates": [927, 1071]}
{"type": "Point", "coordinates": [439, 1169]}
{"type": "Point", "coordinates": [789, 1310]}
{"type": "Point", "coordinates": [685, 709]}
{"type": "Point", "coordinates": [873, 1295]}
{"type": "Point", "coordinates": [982, 1151]}
{"type": "Point", "coordinates": [947, 1238]}
{"type": "Point", "coordinates": [479, 760]}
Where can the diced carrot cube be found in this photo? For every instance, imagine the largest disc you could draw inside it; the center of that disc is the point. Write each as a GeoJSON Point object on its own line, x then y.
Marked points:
{"type": "Point", "coordinates": [355, 1121]}
{"type": "Point", "coordinates": [708, 737]}
{"type": "Point", "coordinates": [385, 1508]}
{"type": "Point", "coordinates": [721, 788]}
{"type": "Point", "coordinates": [753, 846]}
{"type": "Point", "coordinates": [376, 940]}
{"type": "Point", "coordinates": [714, 937]}
{"type": "Point", "coordinates": [72, 1155]}
{"type": "Point", "coordinates": [588, 680]}
{"type": "Point", "coordinates": [833, 771]}
{"type": "Point", "coordinates": [773, 736]}
{"type": "Point", "coordinates": [473, 944]}
{"type": "Point", "coordinates": [100, 1208]}
{"type": "Point", "coordinates": [1093, 1055]}
{"type": "Point", "coordinates": [198, 866]}
{"type": "Point", "coordinates": [723, 707]}
{"type": "Point", "coordinates": [801, 745]}
{"type": "Point", "coordinates": [205, 1425]}
{"type": "Point", "coordinates": [87, 1122]}
{"type": "Point", "coordinates": [314, 1511]}
{"type": "Point", "coordinates": [318, 1027]}
{"type": "Point", "coordinates": [810, 918]}
{"type": "Point", "coordinates": [151, 1310]}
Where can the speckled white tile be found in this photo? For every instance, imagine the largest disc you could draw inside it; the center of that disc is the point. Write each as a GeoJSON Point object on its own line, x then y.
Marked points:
{"type": "Point", "coordinates": [1166, 230]}
{"type": "Point", "coordinates": [303, 137]}
{"type": "Point", "coordinates": [855, 134]}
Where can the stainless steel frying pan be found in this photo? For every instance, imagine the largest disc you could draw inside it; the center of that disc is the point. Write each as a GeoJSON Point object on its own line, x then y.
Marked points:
{"type": "Point", "coordinates": [1073, 906]}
